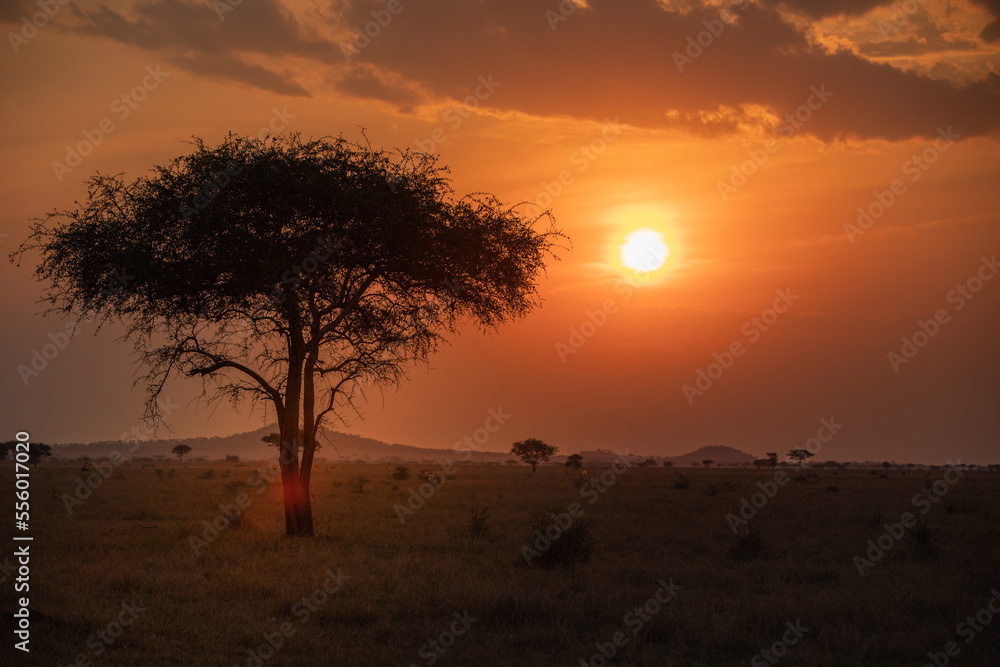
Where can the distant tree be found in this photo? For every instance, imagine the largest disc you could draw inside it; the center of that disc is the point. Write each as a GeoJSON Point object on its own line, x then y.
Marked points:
{"type": "Point", "coordinates": [668, 464]}
{"type": "Point", "coordinates": [650, 462]}
{"type": "Point", "coordinates": [401, 472]}
{"type": "Point", "coordinates": [994, 467]}
{"type": "Point", "coordinates": [886, 465]}
{"type": "Point", "coordinates": [772, 459]}
{"type": "Point", "coordinates": [707, 463]}
{"type": "Point", "coordinates": [533, 451]}
{"type": "Point", "coordinates": [574, 461]}
{"type": "Point", "coordinates": [180, 451]}
{"type": "Point", "coordinates": [760, 463]}
{"type": "Point", "coordinates": [694, 464]}
{"type": "Point", "coordinates": [800, 455]}
{"type": "Point", "coordinates": [7, 448]}
{"type": "Point", "coordinates": [272, 439]}
{"type": "Point", "coordinates": [290, 273]}
{"type": "Point", "coordinates": [510, 462]}
{"type": "Point", "coordinates": [37, 452]}
{"type": "Point", "coordinates": [232, 458]}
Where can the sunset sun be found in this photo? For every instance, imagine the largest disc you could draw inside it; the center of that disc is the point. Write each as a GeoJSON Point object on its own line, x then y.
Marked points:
{"type": "Point", "coordinates": [644, 250]}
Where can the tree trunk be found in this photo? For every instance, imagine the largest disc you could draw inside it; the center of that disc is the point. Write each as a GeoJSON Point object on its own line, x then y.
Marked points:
{"type": "Point", "coordinates": [309, 428]}
{"type": "Point", "coordinates": [298, 514]}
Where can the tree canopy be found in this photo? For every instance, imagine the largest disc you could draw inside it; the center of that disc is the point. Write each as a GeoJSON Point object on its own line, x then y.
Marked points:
{"type": "Point", "coordinates": [289, 272]}
{"type": "Point", "coordinates": [533, 451]}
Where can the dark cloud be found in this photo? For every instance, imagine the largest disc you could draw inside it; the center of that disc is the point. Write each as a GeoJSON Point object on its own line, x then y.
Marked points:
{"type": "Point", "coordinates": [617, 59]}
{"type": "Point", "coordinates": [203, 40]}
{"type": "Point", "coordinates": [991, 33]}
{"type": "Point", "coordinates": [231, 69]}
{"type": "Point", "coordinates": [820, 9]}
{"type": "Point", "coordinates": [364, 83]}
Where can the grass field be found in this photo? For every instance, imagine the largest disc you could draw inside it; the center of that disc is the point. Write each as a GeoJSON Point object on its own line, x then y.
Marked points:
{"type": "Point", "coordinates": [667, 582]}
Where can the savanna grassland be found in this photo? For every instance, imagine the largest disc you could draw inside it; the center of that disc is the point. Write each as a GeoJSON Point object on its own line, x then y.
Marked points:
{"type": "Point", "coordinates": [125, 553]}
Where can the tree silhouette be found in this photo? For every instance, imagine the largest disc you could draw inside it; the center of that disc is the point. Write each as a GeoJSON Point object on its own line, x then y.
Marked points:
{"type": "Point", "coordinates": [707, 463]}
{"type": "Point", "coordinates": [533, 451]}
{"type": "Point", "coordinates": [37, 452]}
{"type": "Point", "coordinates": [291, 274]}
{"type": "Point", "coordinates": [772, 459]}
{"type": "Point", "coordinates": [800, 455]}
{"type": "Point", "coordinates": [180, 451]}
{"type": "Point", "coordinates": [574, 461]}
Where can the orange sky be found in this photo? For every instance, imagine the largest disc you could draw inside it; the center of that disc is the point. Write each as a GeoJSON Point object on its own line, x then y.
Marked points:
{"type": "Point", "coordinates": [749, 141]}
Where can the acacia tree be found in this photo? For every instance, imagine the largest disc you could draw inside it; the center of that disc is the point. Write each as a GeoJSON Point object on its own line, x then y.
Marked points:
{"type": "Point", "coordinates": [574, 461]}
{"type": "Point", "coordinates": [800, 455]}
{"type": "Point", "coordinates": [533, 451]}
{"type": "Point", "coordinates": [289, 273]}
{"type": "Point", "coordinates": [180, 451]}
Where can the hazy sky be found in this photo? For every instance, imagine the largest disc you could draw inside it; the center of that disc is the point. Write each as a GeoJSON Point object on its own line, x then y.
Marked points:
{"type": "Point", "coordinates": [833, 160]}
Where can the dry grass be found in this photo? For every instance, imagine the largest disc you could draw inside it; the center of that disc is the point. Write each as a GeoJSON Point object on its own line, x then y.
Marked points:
{"type": "Point", "coordinates": [129, 543]}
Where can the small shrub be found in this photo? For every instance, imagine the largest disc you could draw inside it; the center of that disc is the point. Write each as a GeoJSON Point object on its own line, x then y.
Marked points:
{"type": "Point", "coordinates": [749, 544]}
{"type": "Point", "coordinates": [358, 484]}
{"type": "Point", "coordinates": [681, 482]}
{"type": "Point", "coordinates": [401, 472]}
{"type": "Point", "coordinates": [572, 545]}
{"type": "Point", "coordinates": [920, 536]}
{"type": "Point", "coordinates": [478, 527]}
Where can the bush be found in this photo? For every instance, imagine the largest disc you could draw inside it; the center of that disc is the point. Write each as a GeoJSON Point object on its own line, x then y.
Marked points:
{"type": "Point", "coordinates": [401, 472]}
{"type": "Point", "coordinates": [478, 525]}
{"type": "Point", "coordinates": [573, 544]}
{"type": "Point", "coordinates": [208, 474]}
{"type": "Point", "coordinates": [358, 484]}
{"type": "Point", "coordinates": [749, 544]}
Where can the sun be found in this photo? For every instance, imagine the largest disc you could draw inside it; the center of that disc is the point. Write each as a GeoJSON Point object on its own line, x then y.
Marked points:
{"type": "Point", "coordinates": [644, 250]}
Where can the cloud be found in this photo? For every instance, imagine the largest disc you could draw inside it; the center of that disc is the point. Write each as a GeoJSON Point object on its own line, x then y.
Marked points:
{"type": "Point", "coordinates": [366, 83]}
{"type": "Point", "coordinates": [202, 40]}
{"type": "Point", "coordinates": [991, 33]}
{"type": "Point", "coordinates": [819, 9]}
{"type": "Point", "coordinates": [621, 58]}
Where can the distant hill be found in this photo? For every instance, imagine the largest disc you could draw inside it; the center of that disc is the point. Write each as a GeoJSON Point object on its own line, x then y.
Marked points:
{"type": "Point", "coordinates": [333, 446]}
{"type": "Point", "coordinates": [338, 446]}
